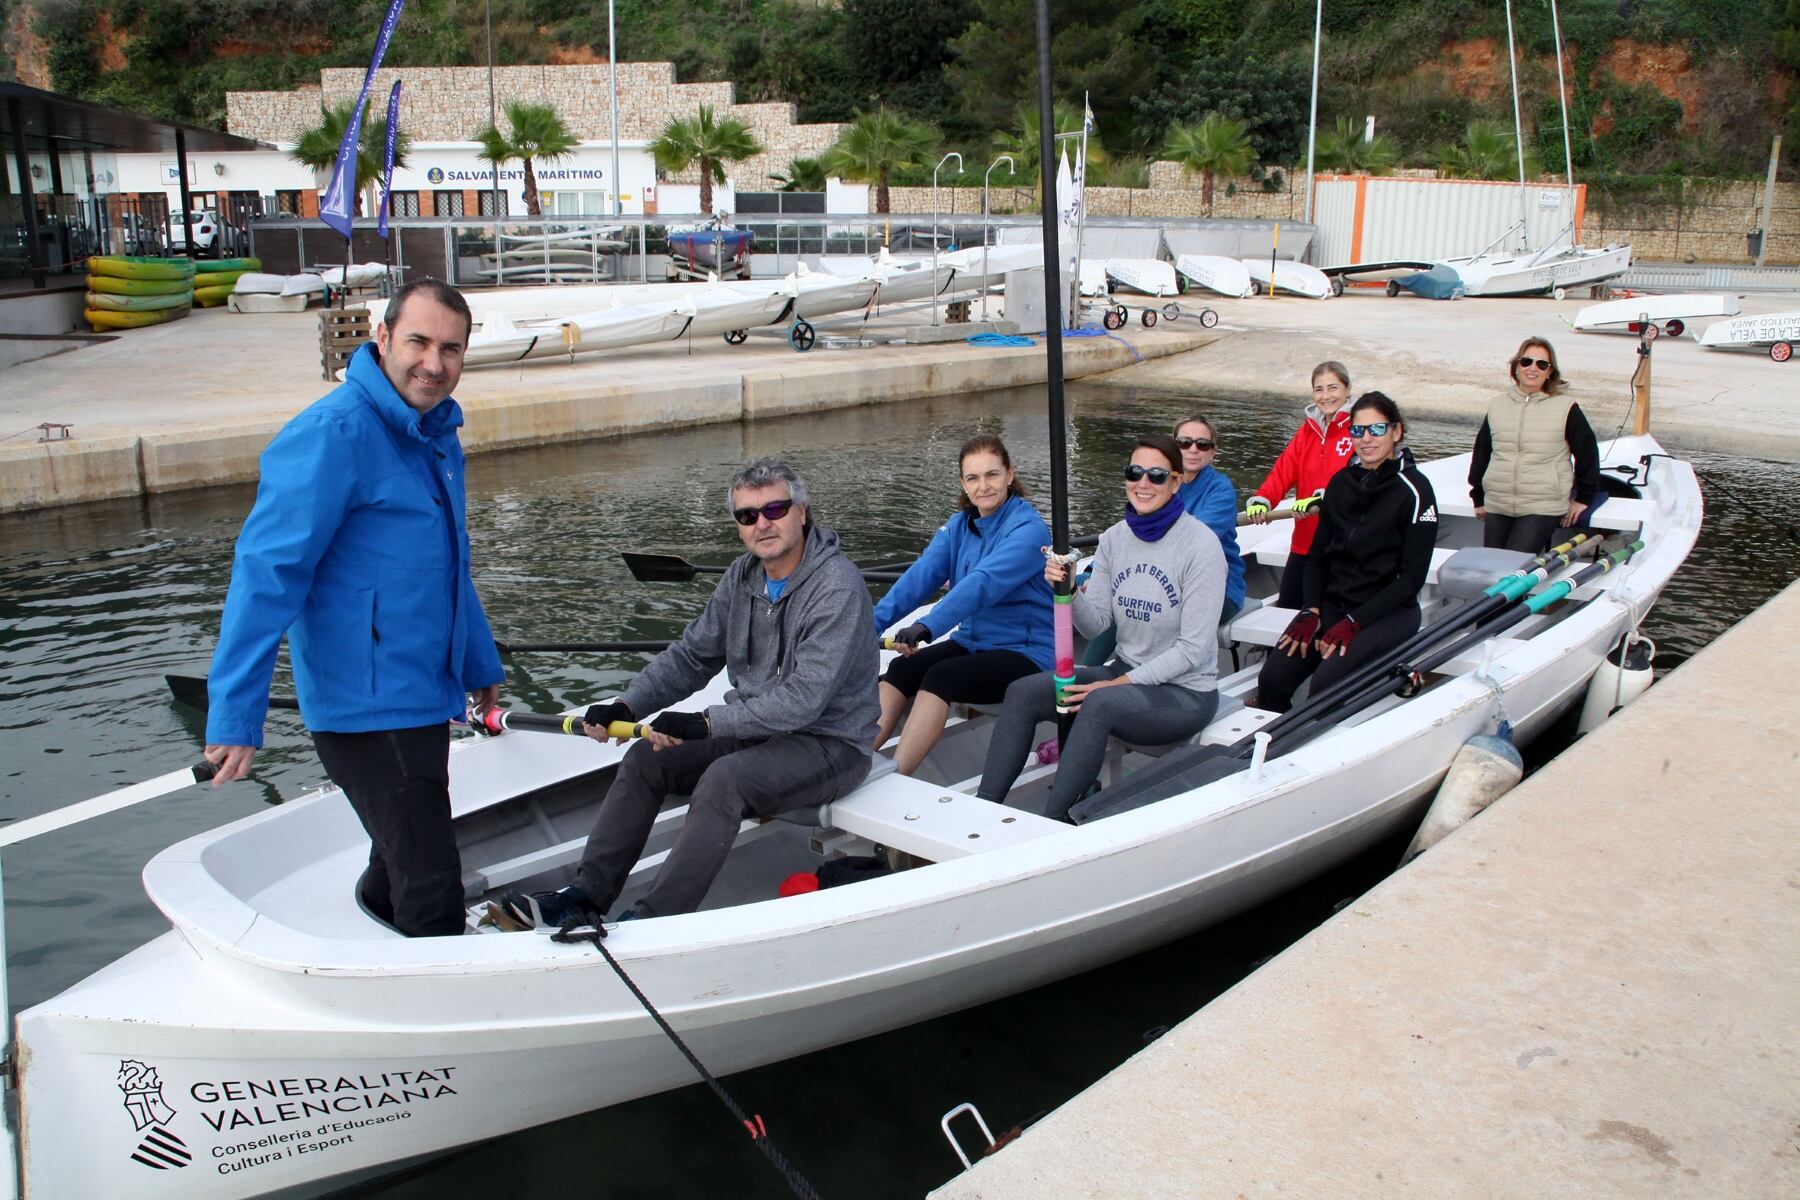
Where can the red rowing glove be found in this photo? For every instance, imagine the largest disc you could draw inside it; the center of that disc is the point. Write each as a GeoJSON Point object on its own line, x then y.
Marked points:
{"type": "Point", "coordinates": [1301, 631]}
{"type": "Point", "coordinates": [1338, 637]}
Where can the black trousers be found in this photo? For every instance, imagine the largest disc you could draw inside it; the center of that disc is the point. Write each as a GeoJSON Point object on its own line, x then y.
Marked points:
{"type": "Point", "coordinates": [958, 675]}
{"type": "Point", "coordinates": [1293, 579]}
{"type": "Point", "coordinates": [398, 781]}
{"type": "Point", "coordinates": [1532, 534]}
{"type": "Point", "coordinates": [1283, 673]}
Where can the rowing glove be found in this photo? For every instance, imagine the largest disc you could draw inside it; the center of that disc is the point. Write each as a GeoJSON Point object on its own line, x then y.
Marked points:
{"type": "Point", "coordinates": [914, 635]}
{"type": "Point", "coordinates": [1339, 636]}
{"type": "Point", "coordinates": [1303, 628]}
{"type": "Point", "coordinates": [601, 715]}
{"type": "Point", "coordinates": [1306, 504]}
{"type": "Point", "coordinates": [1256, 507]}
{"type": "Point", "coordinates": [687, 727]}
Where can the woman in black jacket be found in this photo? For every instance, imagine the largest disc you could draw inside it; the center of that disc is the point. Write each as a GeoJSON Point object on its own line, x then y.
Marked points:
{"type": "Point", "coordinates": [1369, 558]}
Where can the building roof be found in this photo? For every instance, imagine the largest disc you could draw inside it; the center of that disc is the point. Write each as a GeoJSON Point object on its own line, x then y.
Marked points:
{"type": "Point", "coordinates": [71, 124]}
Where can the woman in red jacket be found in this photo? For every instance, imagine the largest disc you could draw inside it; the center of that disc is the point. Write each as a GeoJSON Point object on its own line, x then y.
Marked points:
{"type": "Point", "coordinates": [1317, 451]}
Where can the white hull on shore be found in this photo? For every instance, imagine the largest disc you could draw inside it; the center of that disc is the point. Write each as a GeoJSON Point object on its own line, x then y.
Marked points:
{"type": "Point", "coordinates": [1542, 273]}
{"type": "Point", "coordinates": [1150, 276]}
{"type": "Point", "coordinates": [1753, 333]}
{"type": "Point", "coordinates": [1216, 273]}
{"type": "Point", "coordinates": [279, 1041]}
{"type": "Point", "coordinates": [1293, 278]}
{"type": "Point", "coordinates": [1672, 314]}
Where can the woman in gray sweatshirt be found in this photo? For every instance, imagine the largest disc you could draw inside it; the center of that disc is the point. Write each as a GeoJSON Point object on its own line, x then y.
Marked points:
{"type": "Point", "coordinates": [1159, 578]}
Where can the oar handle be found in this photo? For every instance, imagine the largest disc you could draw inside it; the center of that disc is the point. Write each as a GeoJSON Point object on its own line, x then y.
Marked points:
{"type": "Point", "coordinates": [496, 720]}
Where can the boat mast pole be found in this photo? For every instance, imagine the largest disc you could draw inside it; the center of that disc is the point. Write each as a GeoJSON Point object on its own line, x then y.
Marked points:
{"type": "Point", "coordinates": [1312, 120]}
{"type": "Point", "coordinates": [1512, 63]}
{"type": "Point", "coordinates": [1063, 617]}
{"type": "Point", "coordinates": [1562, 98]}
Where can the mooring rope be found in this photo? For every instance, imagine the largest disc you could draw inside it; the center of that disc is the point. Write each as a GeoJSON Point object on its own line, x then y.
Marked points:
{"type": "Point", "coordinates": [797, 1182]}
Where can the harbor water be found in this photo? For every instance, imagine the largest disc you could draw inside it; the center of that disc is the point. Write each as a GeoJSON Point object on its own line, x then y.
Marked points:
{"type": "Point", "coordinates": [98, 602]}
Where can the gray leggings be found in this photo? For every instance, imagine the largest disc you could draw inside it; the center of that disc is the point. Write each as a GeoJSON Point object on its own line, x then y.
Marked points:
{"type": "Point", "coordinates": [1154, 715]}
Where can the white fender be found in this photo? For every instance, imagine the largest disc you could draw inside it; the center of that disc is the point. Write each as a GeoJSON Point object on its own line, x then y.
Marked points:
{"type": "Point", "coordinates": [1624, 675]}
{"type": "Point", "coordinates": [1485, 769]}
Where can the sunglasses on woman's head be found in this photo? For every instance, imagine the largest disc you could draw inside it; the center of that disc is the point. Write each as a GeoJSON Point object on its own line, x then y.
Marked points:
{"type": "Point", "coordinates": [774, 510]}
{"type": "Point", "coordinates": [1377, 429]}
{"type": "Point", "coordinates": [1157, 475]}
{"type": "Point", "coordinates": [1542, 364]}
{"type": "Point", "coordinates": [1187, 443]}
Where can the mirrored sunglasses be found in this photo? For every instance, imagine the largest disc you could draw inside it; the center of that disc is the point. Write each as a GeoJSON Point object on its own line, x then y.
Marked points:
{"type": "Point", "coordinates": [774, 510]}
{"type": "Point", "coordinates": [1376, 429]}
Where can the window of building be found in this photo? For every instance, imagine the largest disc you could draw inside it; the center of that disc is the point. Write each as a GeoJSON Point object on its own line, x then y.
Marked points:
{"type": "Point", "coordinates": [487, 203]}
{"type": "Point", "coordinates": [288, 203]}
{"type": "Point", "coordinates": [404, 204]}
{"type": "Point", "coordinates": [448, 204]}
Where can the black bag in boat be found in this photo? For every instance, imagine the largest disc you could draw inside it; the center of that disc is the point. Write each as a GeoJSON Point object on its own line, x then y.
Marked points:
{"type": "Point", "coordinates": [852, 869]}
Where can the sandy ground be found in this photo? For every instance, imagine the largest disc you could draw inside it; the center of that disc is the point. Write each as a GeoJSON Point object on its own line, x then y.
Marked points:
{"type": "Point", "coordinates": [1448, 358]}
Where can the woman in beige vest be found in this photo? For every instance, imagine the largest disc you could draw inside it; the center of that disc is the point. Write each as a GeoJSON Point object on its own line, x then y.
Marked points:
{"type": "Point", "coordinates": [1536, 466]}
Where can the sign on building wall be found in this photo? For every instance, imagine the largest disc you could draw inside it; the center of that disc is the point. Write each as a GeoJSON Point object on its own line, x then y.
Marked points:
{"type": "Point", "coordinates": [171, 172]}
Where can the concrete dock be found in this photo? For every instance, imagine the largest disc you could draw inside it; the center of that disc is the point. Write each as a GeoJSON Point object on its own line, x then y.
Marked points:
{"type": "Point", "coordinates": [194, 402]}
{"type": "Point", "coordinates": [1592, 990]}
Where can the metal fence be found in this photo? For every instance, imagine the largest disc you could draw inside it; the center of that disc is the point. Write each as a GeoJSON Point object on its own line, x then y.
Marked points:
{"type": "Point", "coordinates": [1681, 277]}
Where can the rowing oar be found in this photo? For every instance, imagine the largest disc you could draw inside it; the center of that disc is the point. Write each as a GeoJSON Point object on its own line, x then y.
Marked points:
{"type": "Point", "coordinates": [646, 647]}
{"type": "Point", "coordinates": [1279, 514]}
{"type": "Point", "coordinates": [669, 568]}
{"type": "Point", "coordinates": [498, 720]}
{"type": "Point", "coordinates": [99, 806]}
{"type": "Point", "coordinates": [191, 691]}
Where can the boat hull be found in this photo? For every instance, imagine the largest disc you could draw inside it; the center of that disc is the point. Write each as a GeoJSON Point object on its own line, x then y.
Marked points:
{"type": "Point", "coordinates": [1292, 278]}
{"type": "Point", "coordinates": [1216, 273]}
{"type": "Point", "coordinates": [1540, 274]}
{"type": "Point", "coordinates": [1762, 330]}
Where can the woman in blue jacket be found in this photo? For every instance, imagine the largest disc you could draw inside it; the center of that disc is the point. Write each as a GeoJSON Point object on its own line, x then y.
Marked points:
{"type": "Point", "coordinates": [990, 554]}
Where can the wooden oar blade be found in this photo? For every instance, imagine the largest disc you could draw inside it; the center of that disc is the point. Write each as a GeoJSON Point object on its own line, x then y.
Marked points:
{"type": "Point", "coordinates": [188, 690]}
{"type": "Point", "coordinates": [658, 568]}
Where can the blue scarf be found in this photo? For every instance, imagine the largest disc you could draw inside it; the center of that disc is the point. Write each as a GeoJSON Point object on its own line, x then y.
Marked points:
{"type": "Point", "coordinates": [1151, 528]}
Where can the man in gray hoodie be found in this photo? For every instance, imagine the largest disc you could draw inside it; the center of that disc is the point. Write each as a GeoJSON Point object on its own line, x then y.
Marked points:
{"type": "Point", "coordinates": [792, 625]}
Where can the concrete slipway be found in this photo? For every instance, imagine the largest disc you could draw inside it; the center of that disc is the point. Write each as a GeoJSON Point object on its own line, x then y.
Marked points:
{"type": "Point", "coordinates": [1591, 991]}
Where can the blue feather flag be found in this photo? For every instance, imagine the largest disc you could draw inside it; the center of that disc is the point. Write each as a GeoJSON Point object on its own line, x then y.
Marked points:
{"type": "Point", "coordinates": [339, 205]}
{"type": "Point", "coordinates": [387, 170]}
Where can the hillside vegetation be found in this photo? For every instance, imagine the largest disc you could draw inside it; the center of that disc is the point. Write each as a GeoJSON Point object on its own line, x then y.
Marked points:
{"type": "Point", "coordinates": [1659, 87]}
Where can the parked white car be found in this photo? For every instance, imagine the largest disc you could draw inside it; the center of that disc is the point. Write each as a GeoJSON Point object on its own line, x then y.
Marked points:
{"type": "Point", "coordinates": [212, 237]}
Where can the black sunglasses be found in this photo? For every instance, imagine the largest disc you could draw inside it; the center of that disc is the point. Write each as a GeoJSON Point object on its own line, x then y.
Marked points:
{"type": "Point", "coordinates": [1542, 364]}
{"type": "Point", "coordinates": [774, 510]}
{"type": "Point", "coordinates": [1187, 443]}
{"type": "Point", "coordinates": [1158, 475]}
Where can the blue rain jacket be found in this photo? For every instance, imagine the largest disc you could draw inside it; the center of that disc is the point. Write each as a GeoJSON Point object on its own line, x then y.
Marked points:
{"type": "Point", "coordinates": [1212, 500]}
{"type": "Point", "coordinates": [994, 567]}
{"type": "Point", "coordinates": [357, 550]}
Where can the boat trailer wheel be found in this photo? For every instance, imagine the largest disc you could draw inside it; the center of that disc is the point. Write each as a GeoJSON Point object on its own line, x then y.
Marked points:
{"type": "Point", "coordinates": [801, 336]}
{"type": "Point", "coordinates": [1111, 319]}
{"type": "Point", "coordinates": [1208, 318]}
{"type": "Point", "coordinates": [1558, 294]}
{"type": "Point", "coordinates": [1337, 285]}
{"type": "Point", "coordinates": [1171, 311]}
{"type": "Point", "coordinates": [736, 337]}
{"type": "Point", "coordinates": [1148, 317]}
{"type": "Point", "coordinates": [1781, 351]}
{"type": "Point", "coordinates": [1393, 287]}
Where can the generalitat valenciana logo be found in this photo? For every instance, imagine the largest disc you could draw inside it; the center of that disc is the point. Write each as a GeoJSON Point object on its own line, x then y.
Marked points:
{"type": "Point", "coordinates": [159, 1148]}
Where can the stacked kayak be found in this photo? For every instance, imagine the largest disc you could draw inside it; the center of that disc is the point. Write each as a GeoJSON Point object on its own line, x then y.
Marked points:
{"type": "Point", "coordinates": [128, 293]}
{"type": "Point", "coordinates": [214, 279]}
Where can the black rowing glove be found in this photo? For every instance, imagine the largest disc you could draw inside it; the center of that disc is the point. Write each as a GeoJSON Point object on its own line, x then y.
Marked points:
{"type": "Point", "coordinates": [687, 727]}
{"type": "Point", "coordinates": [914, 635]}
{"type": "Point", "coordinates": [602, 715]}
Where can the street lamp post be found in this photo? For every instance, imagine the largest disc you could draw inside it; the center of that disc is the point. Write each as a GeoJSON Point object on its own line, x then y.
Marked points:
{"type": "Point", "coordinates": [1007, 159]}
{"type": "Point", "coordinates": [937, 207]}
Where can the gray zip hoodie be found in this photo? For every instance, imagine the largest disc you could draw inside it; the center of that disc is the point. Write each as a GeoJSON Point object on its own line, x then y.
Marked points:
{"type": "Point", "coordinates": [806, 663]}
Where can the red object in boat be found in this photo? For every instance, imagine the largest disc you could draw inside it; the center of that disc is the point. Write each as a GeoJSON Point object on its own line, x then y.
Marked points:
{"type": "Point", "coordinates": [800, 883]}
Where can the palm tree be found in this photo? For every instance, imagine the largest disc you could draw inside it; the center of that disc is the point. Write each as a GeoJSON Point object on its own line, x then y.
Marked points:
{"type": "Point", "coordinates": [538, 133]}
{"type": "Point", "coordinates": [1488, 151]}
{"type": "Point", "coordinates": [318, 146]}
{"type": "Point", "coordinates": [1342, 148]}
{"type": "Point", "coordinates": [1021, 141]}
{"type": "Point", "coordinates": [874, 144]}
{"type": "Point", "coordinates": [803, 175]}
{"type": "Point", "coordinates": [707, 141]}
{"type": "Point", "coordinates": [1217, 145]}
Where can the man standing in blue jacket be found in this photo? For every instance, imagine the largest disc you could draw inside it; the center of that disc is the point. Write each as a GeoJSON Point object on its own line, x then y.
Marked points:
{"type": "Point", "coordinates": [357, 551]}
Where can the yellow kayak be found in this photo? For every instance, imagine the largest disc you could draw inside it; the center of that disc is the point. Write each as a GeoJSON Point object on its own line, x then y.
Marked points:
{"type": "Point", "coordinates": [112, 303]}
{"type": "Point", "coordinates": [213, 266]}
{"type": "Point", "coordinates": [104, 318]}
{"type": "Point", "coordinates": [212, 297]}
{"type": "Point", "coordinates": [120, 267]}
{"type": "Point", "coordinates": [117, 286]}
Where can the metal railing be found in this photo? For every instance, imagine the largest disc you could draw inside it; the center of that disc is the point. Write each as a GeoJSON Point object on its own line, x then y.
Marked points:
{"type": "Point", "coordinates": [1700, 277]}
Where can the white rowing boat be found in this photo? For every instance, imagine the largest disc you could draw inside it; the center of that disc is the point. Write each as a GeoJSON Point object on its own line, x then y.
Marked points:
{"type": "Point", "coordinates": [1151, 276]}
{"type": "Point", "coordinates": [1673, 314]}
{"type": "Point", "coordinates": [1293, 278]}
{"type": "Point", "coordinates": [1545, 272]}
{"type": "Point", "coordinates": [277, 1041]}
{"type": "Point", "coordinates": [1216, 273]}
{"type": "Point", "coordinates": [1776, 332]}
